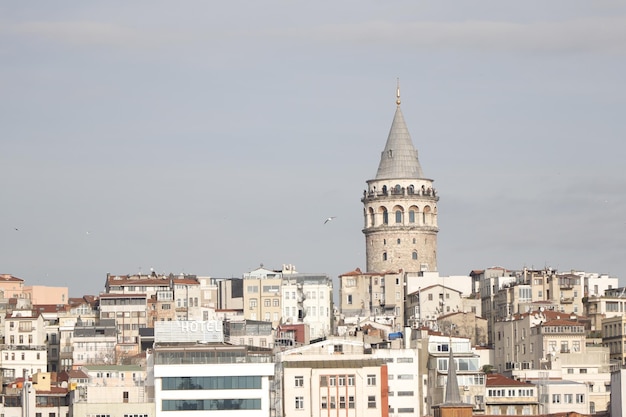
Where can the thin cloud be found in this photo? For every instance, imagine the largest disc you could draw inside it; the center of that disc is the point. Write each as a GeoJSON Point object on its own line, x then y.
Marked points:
{"type": "Point", "coordinates": [600, 34]}
{"type": "Point", "coordinates": [90, 33]}
{"type": "Point", "coordinates": [589, 35]}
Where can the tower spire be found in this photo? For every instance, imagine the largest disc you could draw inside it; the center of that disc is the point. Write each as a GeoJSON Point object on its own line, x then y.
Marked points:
{"type": "Point", "coordinates": [398, 92]}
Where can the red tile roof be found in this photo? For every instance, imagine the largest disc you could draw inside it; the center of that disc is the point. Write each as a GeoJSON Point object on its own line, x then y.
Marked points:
{"type": "Point", "coordinates": [499, 380]}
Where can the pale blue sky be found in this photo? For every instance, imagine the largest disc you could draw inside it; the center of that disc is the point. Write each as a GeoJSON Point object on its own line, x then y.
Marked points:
{"type": "Point", "coordinates": [207, 138]}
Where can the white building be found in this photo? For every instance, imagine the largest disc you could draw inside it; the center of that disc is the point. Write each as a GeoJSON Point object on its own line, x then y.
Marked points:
{"type": "Point", "coordinates": [24, 351]}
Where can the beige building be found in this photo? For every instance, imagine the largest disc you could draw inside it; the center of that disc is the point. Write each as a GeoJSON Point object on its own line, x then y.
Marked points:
{"type": "Point", "coordinates": [366, 295]}
{"type": "Point", "coordinates": [551, 345]}
{"type": "Point", "coordinates": [40, 294]}
{"type": "Point", "coordinates": [614, 337]}
{"type": "Point", "coordinates": [130, 314]}
{"type": "Point", "coordinates": [600, 307]}
{"type": "Point", "coordinates": [507, 396]}
{"type": "Point", "coordinates": [424, 306]}
{"type": "Point", "coordinates": [333, 378]}
{"type": "Point", "coordinates": [11, 287]}
{"type": "Point", "coordinates": [400, 208]}
{"type": "Point", "coordinates": [262, 296]}
{"type": "Point", "coordinates": [115, 390]}
{"type": "Point", "coordinates": [467, 325]}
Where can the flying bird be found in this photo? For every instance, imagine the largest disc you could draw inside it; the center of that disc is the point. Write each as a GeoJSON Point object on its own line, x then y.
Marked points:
{"type": "Point", "coordinates": [329, 219]}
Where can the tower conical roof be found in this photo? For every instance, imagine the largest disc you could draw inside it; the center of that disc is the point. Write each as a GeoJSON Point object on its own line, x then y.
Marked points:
{"type": "Point", "coordinates": [453, 394]}
{"type": "Point", "coordinates": [399, 159]}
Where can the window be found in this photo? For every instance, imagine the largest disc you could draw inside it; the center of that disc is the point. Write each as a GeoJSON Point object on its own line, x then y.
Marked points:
{"type": "Point", "coordinates": [411, 216]}
{"type": "Point", "coordinates": [556, 398]}
{"type": "Point", "coordinates": [267, 302]}
{"type": "Point", "coordinates": [568, 398]}
{"type": "Point", "coordinates": [371, 380]}
{"type": "Point", "coordinates": [414, 255]}
{"type": "Point", "coordinates": [299, 403]}
{"type": "Point", "coordinates": [351, 401]}
{"type": "Point", "coordinates": [333, 404]}
{"type": "Point", "coordinates": [580, 398]}
{"type": "Point", "coordinates": [125, 396]}
{"type": "Point", "coordinates": [253, 303]}
{"type": "Point", "coordinates": [351, 380]}
{"type": "Point", "coordinates": [276, 302]}
{"type": "Point", "coordinates": [371, 401]}
{"type": "Point", "coordinates": [324, 402]}
{"type": "Point", "coordinates": [299, 381]}
{"type": "Point", "coordinates": [398, 216]}
{"type": "Point", "coordinates": [342, 401]}
{"type": "Point", "coordinates": [384, 256]}
{"type": "Point", "coordinates": [349, 299]}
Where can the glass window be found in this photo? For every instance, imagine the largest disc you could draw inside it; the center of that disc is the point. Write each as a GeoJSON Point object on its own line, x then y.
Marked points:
{"type": "Point", "coordinates": [371, 401]}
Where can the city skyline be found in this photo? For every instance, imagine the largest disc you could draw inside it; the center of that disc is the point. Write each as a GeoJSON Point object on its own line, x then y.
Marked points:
{"type": "Point", "coordinates": [211, 139]}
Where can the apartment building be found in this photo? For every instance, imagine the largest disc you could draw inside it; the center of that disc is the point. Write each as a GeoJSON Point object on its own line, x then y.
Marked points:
{"type": "Point", "coordinates": [373, 295]}
{"type": "Point", "coordinates": [25, 350]}
{"type": "Point", "coordinates": [551, 345]}
{"type": "Point", "coordinates": [507, 396]}
{"type": "Point", "coordinates": [337, 377]}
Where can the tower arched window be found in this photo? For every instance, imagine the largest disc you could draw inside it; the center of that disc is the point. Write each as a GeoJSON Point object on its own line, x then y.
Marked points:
{"type": "Point", "coordinates": [371, 217]}
{"type": "Point", "coordinates": [385, 217]}
{"type": "Point", "coordinates": [397, 189]}
{"type": "Point", "coordinates": [398, 241]}
{"type": "Point", "coordinates": [411, 189]}
{"type": "Point", "coordinates": [384, 189]}
{"type": "Point", "coordinates": [384, 256]}
{"type": "Point", "coordinates": [411, 216]}
{"type": "Point", "coordinates": [398, 216]}
{"type": "Point", "coordinates": [414, 255]}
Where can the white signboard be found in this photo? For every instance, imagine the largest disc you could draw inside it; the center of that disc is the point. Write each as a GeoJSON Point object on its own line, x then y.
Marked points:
{"type": "Point", "coordinates": [188, 331]}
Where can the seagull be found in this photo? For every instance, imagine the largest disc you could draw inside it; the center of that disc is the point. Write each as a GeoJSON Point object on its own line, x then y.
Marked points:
{"type": "Point", "coordinates": [329, 219]}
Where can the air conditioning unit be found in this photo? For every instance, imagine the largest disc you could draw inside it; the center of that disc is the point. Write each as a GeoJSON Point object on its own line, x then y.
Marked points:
{"type": "Point", "coordinates": [465, 388]}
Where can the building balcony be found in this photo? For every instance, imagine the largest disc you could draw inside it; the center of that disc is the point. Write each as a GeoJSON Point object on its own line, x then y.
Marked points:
{"type": "Point", "coordinates": [23, 347]}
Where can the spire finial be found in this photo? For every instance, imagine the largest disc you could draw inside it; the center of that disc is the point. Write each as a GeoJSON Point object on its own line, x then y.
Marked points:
{"type": "Point", "coordinates": [398, 92]}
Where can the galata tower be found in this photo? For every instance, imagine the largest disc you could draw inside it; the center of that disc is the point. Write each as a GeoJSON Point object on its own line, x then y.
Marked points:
{"type": "Point", "coordinates": [400, 208]}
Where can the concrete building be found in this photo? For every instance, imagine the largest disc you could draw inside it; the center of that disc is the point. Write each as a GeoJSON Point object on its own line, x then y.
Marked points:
{"type": "Point", "coordinates": [552, 346]}
{"type": "Point", "coordinates": [308, 298]}
{"type": "Point", "coordinates": [249, 332]}
{"type": "Point", "coordinates": [262, 296]}
{"type": "Point", "coordinates": [94, 344]}
{"type": "Point", "coordinates": [465, 325]}
{"type": "Point", "coordinates": [400, 208]}
{"type": "Point", "coordinates": [369, 295]}
{"type": "Point", "coordinates": [341, 377]}
{"type": "Point", "coordinates": [25, 350]}
{"type": "Point", "coordinates": [612, 303]}
{"type": "Point", "coordinates": [130, 314]}
{"type": "Point", "coordinates": [12, 287]}
{"type": "Point", "coordinates": [213, 378]}
{"type": "Point", "coordinates": [424, 306]}
{"type": "Point", "coordinates": [507, 396]}
{"type": "Point", "coordinates": [435, 358]}
{"type": "Point", "coordinates": [614, 337]}
{"type": "Point", "coordinates": [114, 390]}
{"type": "Point", "coordinates": [41, 294]}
